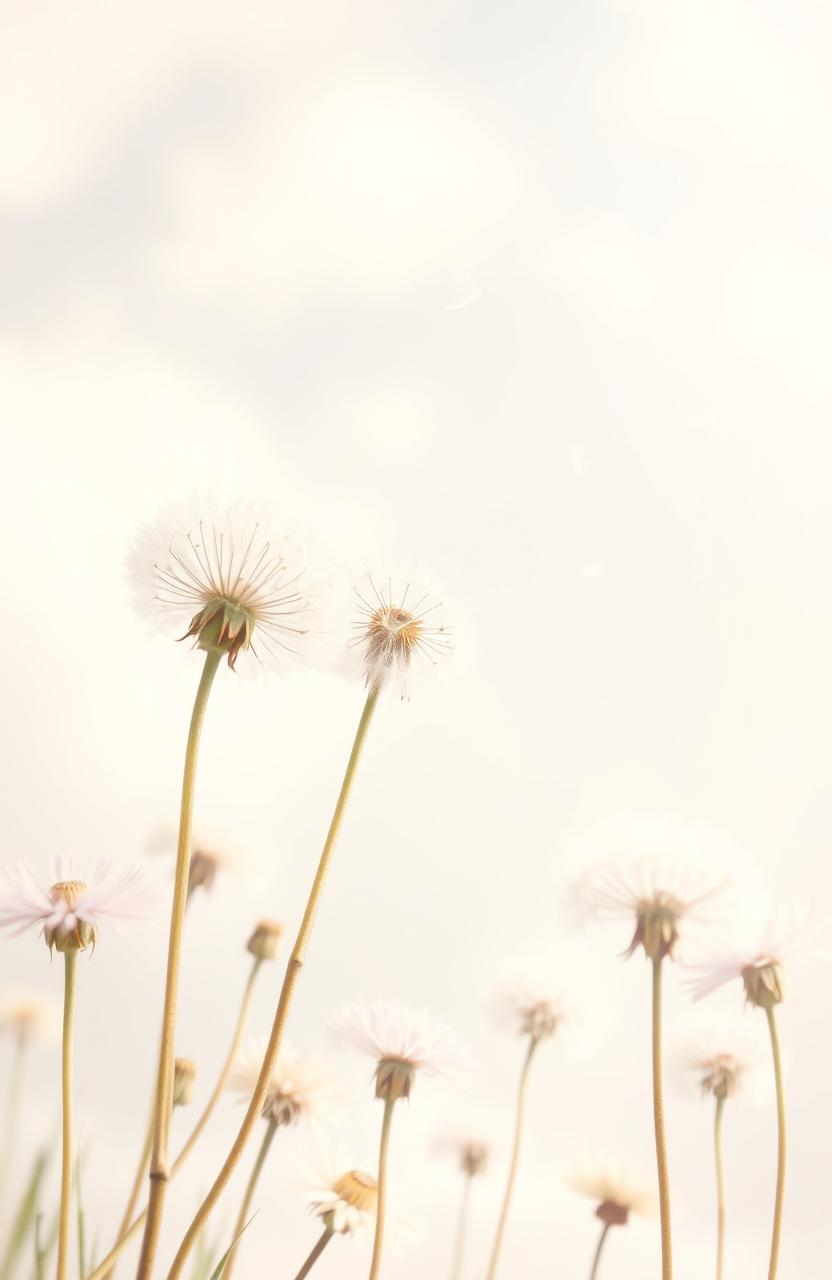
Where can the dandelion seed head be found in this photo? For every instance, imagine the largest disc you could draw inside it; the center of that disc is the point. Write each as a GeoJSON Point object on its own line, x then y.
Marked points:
{"type": "Point", "coordinates": [616, 1194]}
{"type": "Point", "coordinates": [397, 629]}
{"type": "Point", "coordinates": [756, 953]}
{"type": "Point", "coordinates": [300, 1086]}
{"type": "Point", "coordinates": [402, 1042]}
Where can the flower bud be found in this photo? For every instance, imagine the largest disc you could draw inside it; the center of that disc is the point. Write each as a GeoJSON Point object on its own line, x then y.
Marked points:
{"type": "Point", "coordinates": [394, 1079]}
{"type": "Point", "coordinates": [613, 1214]}
{"type": "Point", "coordinates": [265, 939]}
{"type": "Point", "coordinates": [474, 1157]}
{"type": "Point", "coordinates": [764, 985]}
{"type": "Point", "coordinates": [184, 1081]}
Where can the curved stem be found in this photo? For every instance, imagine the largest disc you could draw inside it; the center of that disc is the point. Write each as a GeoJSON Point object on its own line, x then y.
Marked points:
{"type": "Point", "coordinates": [290, 980]}
{"type": "Point", "coordinates": [461, 1229]}
{"type": "Point", "coordinates": [658, 1122]}
{"type": "Point", "coordinates": [781, 1145]}
{"type": "Point", "coordinates": [245, 1207]}
{"type": "Point", "coordinates": [515, 1157]}
{"type": "Point", "coordinates": [315, 1254]}
{"type": "Point", "coordinates": [159, 1170]}
{"type": "Point", "coordinates": [720, 1187]}
{"type": "Point", "coordinates": [104, 1267]}
{"type": "Point", "coordinates": [596, 1261]}
{"type": "Point", "coordinates": [13, 1110]}
{"type": "Point", "coordinates": [378, 1239]}
{"type": "Point", "coordinates": [70, 967]}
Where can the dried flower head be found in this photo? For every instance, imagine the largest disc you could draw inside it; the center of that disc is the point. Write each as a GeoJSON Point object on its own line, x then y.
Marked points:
{"type": "Point", "coordinates": [228, 579]}
{"type": "Point", "coordinates": [757, 958]}
{"type": "Point", "coordinates": [722, 1059]}
{"type": "Point", "coordinates": [265, 939]}
{"type": "Point", "coordinates": [395, 630]}
{"type": "Point", "coordinates": [616, 1194]}
{"type": "Point", "coordinates": [300, 1086]}
{"type": "Point", "coordinates": [69, 909]}
{"type": "Point", "coordinates": [184, 1081]}
{"type": "Point", "coordinates": [402, 1041]}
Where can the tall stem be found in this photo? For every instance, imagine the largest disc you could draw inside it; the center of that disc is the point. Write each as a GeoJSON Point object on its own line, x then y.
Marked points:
{"type": "Point", "coordinates": [104, 1267]}
{"type": "Point", "coordinates": [720, 1187]}
{"type": "Point", "coordinates": [136, 1189]}
{"type": "Point", "coordinates": [315, 1254]}
{"type": "Point", "coordinates": [596, 1261]}
{"type": "Point", "coordinates": [159, 1169]}
{"type": "Point", "coordinates": [381, 1207]}
{"type": "Point", "coordinates": [245, 1207]}
{"type": "Point", "coordinates": [70, 966]}
{"type": "Point", "coordinates": [461, 1229]}
{"type": "Point", "coordinates": [658, 1122]}
{"type": "Point", "coordinates": [515, 1157]}
{"type": "Point", "coordinates": [293, 970]}
{"type": "Point", "coordinates": [781, 1145]}
{"type": "Point", "coordinates": [13, 1108]}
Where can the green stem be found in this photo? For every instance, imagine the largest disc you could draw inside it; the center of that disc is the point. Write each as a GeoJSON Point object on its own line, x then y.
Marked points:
{"type": "Point", "coordinates": [245, 1207]}
{"type": "Point", "coordinates": [461, 1229]}
{"type": "Point", "coordinates": [70, 966]}
{"type": "Point", "coordinates": [315, 1254]}
{"type": "Point", "coordinates": [290, 980]}
{"type": "Point", "coordinates": [159, 1168]}
{"type": "Point", "coordinates": [381, 1207]}
{"type": "Point", "coordinates": [720, 1187]}
{"type": "Point", "coordinates": [596, 1261]}
{"type": "Point", "coordinates": [658, 1123]}
{"type": "Point", "coordinates": [781, 1145]}
{"type": "Point", "coordinates": [13, 1110]}
{"type": "Point", "coordinates": [104, 1267]}
{"type": "Point", "coordinates": [515, 1157]}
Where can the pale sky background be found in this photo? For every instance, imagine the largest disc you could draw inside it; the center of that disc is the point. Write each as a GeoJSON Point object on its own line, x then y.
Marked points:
{"type": "Point", "coordinates": [535, 298]}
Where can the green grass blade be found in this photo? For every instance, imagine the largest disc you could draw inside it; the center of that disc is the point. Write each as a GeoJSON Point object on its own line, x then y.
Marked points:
{"type": "Point", "coordinates": [24, 1218]}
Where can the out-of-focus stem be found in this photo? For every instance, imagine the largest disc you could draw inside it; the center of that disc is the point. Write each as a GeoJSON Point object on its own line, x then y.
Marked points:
{"type": "Point", "coordinates": [461, 1229]}
{"type": "Point", "coordinates": [315, 1254]}
{"type": "Point", "coordinates": [381, 1207]}
{"type": "Point", "coordinates": [515, 1159]}
{"type": "Point", "coordinates": [781, 1146]}
{"type": "Point", "coordinates": [70, 969]}
{"type": "Point", "coordinates": [658, 1123]}
{"type": "Point", "coordinates": [243, 1215]}
{"type": "Point", "coordinates": [720, 1187]}
{"type": "Point", "coordinates": [596, 1260]}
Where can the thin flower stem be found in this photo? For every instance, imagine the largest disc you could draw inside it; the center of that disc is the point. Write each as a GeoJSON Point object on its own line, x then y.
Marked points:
{"type": "Point", "coordinates": [104, 1267]}
{"type": "Point", "coordinates": [461, 1229]}
{"type": "Point", "coordinates": [596, 1261]}
{"type": "Point", "coordinates": [135, 1190]}
{"type": "Point", "coordinates": [384, 1148]}
{"type": "Point", "coordinates": [159, 1167]}
{"type": "Point", "coordinates": [658, 1122]}
{"type": "Point", "coordinates": [70, 969]}
{"type": "Point", "coordinates": [781, 1145]}
{"type": "Point", "coordinates": [293, 971]}
{"type": "Point", "coordinates": [515, 1157]}
{"type": "Point", "coordinates": [243, 1215]}
{"type": "Point", "coordinates": [720, 1187]}
{"type": "Point", "coordinates": [13, 1109]}
{"type": "Point", "coordinates": [316, 1253]}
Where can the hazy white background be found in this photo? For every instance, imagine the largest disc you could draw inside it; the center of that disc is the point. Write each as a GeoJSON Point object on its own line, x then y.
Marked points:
{"type": "Point", "coordinates": [536, 297]}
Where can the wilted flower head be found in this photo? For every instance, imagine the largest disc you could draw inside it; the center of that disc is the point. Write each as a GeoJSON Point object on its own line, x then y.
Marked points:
{"type": "Point", "coordinates": [757, 958]}
{"type": "Point", "coordinates": [396, 629]}
{"type": "Point", "coordinates": [69, 909]}
{"type": "Point", "coordinates": [721, 1059]}
{"type": "Point", "coordinates": [184, 1081]}
{"type": "Point", "coordinates": [26, 1015]}
{"type": "Point", "coordinates": [300, 1086]}
{"type": "Point", "coordinates": [616, 1194]}
{"type": "Point", "coordinates": [402, 1041]}
{"type": "Point", "coordinates": [222, 574]}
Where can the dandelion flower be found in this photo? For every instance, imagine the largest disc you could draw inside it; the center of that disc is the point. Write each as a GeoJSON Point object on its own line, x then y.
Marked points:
{"type": "Point", "coordinates": [615, 1193]}
{"type": "Point", "coordinates": [70, 909]}
{"type": "Point", "coordinates": [757, 957]}
{"type": "Point", "coordinates": [224, 576]}
{"type": "Point", "coordinates": [402, 1041]}
{"type": "Point", "coordinates": [721, 1059]}
{"type": "Point", "coordinates": [300, 1086]}
{"type": "Point", "coordinates": [345, 1198]}
{"type": "Point", "coordinates": [530, 1005]}
{"type": "Point", "coordinates": [397, 628]}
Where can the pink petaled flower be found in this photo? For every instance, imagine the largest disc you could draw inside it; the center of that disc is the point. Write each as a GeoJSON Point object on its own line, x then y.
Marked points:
{"type": "Point", "coordinates": [69, 909]}
{"type": "Point", "coordinates": [756, 958]}
{"type": "Point", "coordinates": [402, 1041]}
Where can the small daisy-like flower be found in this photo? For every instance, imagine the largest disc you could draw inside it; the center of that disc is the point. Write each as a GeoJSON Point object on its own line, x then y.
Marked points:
{"type": "Point", "coordinates": [402, 1041]}
{"type": "Point", "coordinates": [757, 959]}
{"type": "Point", "coordinates": [616, 1193]}
{"type": "Point", "coordinates": [397, 628]}
{"type": "Point", "coordinates": [300, 1085]}
{"type": "Point", "coordinates": [722, 1060]}
{"type": "Point", "coordinates": [225, 577]}
{"type": "Point", "coordinates": [345, 1198]}
{"type": "Point", "coordinates": [26, 1015]}
{"type": "Point", "coordinates": [70, 909]}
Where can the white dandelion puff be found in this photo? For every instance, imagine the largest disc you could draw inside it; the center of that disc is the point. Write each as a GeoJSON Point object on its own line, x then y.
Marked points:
{"type": "Point", "coordinates": [300, 1085]}
{"type": "Point", "coordinates": [530, 1003]}
{"type": "Point", "coordinates": [615, 1192]}
{"type": "Point", "coordinates": [723, 1058]}
{"type": "Point", "coordinates": [394, 1035]}
{"type": "Point", "coordinates": [399, 629]}
{"type": "Point", "coordinates": [228, 580]}
{"type": "Point", "coordinates": [69, 909]}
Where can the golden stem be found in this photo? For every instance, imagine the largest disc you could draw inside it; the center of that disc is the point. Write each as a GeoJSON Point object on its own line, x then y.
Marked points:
{"type": "Point", "coordinates": [315, 1254]}
{"type": "Point", "coordinates": [596, 1261]}
{"type": "Point", "coordinates": [515, 1157]}
{"type": "Point", "coordinates": [70, 964]}
{"type": "Point", "coordinates": [720, 1187]}
{"type": "Point", "coordinates": [159, 1170]}
{"type": "Point", "coordinates": [781, 1145]}
{"type": "Point", "coordinates": [461, 1229]}
{"type": "Point", "coordinates": [245, 1207]}
{"type": "Point", "coordinates": [293, 970]}
{"type": "Point", "coordinates": [384, 1148]}
{"type": "Point", "coordinates": [104, 1267]}
{"type": "Point", "coordinates": [658, 1122]}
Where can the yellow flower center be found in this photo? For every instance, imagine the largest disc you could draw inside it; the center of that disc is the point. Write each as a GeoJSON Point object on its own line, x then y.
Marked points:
{"type": "Point", "coordinates": [68, 891]}
{"type": "Point", "coordinates": [357, 1189]}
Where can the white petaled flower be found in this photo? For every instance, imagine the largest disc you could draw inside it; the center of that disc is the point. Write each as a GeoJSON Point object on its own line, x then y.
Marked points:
{"type": "Point", "coordinates": [27, 1015]}
{"type": "Point", "coordinates": [402, 1041]}
{"type": "Point", "coordinates": [232, 583]}
{"type": "Point", "coordinates": [616, 1194]}
{"type": "Point", "coordinates": [722, 1060]}
{"type": "Point", "coordinates": [757, 958]}
{"type": "Point", "coordinates": [300, 1086]}
{"type": "Point", "coordinates": [70, 909]}
{"type": "Point", "coordinates": [345, 1198]}
{"type": "Point", "coordinates": [530, 1005]}
{"type": "Point", "coordinates": [398, 629]}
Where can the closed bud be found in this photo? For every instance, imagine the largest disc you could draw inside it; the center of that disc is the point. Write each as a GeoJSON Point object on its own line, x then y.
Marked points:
{"type": "Point", "coordinates": [394, 1079]}
{"type": "Point", "coordinates": [184, 1081]}
{"type": "Point", "coordinates": [764, 984]}
{"type": "Point", "coordinates": [265, 939]}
